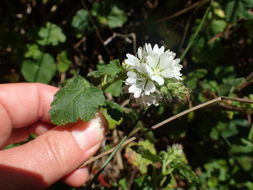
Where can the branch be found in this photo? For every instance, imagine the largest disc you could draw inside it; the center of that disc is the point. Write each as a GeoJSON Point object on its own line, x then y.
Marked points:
{"type": "Point", "coordinates": [249, 81]}
{"type": "Point", "coordinates": [215, 100]}
{"type": "Point", "coordinates": [125, 36]}
{"type": "Point", "coordinates": [232, 108]}
{"type": "Point", "coordinates": [82, 40]}
{"type": "Point", "coordinates": [176, 14]}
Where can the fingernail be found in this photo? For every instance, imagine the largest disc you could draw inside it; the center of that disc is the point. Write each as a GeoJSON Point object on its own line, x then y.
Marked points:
{"type": "Point", "coordinates": [91, 133]}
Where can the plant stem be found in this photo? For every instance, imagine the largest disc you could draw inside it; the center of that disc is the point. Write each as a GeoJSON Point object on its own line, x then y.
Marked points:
{"type": "Point", "coordinates": [160, 124]}
{"type": "Point", "coordinates": [115, 150]}
{"type": "Point", "coordinates": [195, 33]}
{"type": "Point", "coordinates": [221, 98]}
{"type": "Point", "coordinates": [179, 13]}
{"type": "Point", "coordinates": [121, 76]}
{"type": "Point", "coordinates": [106, 162]}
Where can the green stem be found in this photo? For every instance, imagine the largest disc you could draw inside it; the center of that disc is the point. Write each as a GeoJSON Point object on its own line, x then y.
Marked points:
{"type": "Point", "coordinates": [116, 149]}
{"type": "Point", "coordinates": [109, 83]}
{"type": "Point", "coordinates": [195, 34]}
{"type": "Point", "coordinates": [250, 135]}
{"type": "Point", "coordinates": [106, 162]}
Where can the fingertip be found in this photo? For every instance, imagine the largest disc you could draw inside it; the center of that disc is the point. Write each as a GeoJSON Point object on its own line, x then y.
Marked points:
{"type": "Point", "coordinates": [88, 134]}
{"type": "Point", "coordinates": [40, 128]}
{"type": "Point", "coordinates": [77, 178]}
{"type": "Point", "coordinates": [103, 121]}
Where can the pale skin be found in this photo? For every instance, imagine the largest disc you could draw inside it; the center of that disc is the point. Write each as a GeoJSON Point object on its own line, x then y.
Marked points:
{"type": "Point", "coordinates": [55, 154]}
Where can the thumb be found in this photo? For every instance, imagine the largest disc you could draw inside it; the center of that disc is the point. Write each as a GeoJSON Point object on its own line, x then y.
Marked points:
{"type": "Point", "coordinates": [51, 156]}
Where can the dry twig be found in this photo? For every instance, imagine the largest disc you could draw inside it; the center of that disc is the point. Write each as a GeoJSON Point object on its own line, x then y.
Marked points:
{"type": "Point", "coordinates": [125, 36]}
{"type": "Point", "coordinates": [131, 139]}
{"type": "Point", "coordinates": [179, 13]}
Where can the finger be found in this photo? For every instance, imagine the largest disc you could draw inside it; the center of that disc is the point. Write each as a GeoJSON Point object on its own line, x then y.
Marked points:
{"type": "Point", "coordinates": [22, 105]}
{"type": "Point", "coordinates": [77, 178]}
{"type": "Point", "coordinates": [52, 155]}
{"type": "Point", "coordinates": [22, 134]}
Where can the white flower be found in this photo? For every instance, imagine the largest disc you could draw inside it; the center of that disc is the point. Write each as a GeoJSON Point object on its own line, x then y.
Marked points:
{"type": "Point", "coordinates": [148, 100]}
{"type": "Point", "coordinates": [139, 85]}
{"type": "Point", "coordinates": [149, 68]}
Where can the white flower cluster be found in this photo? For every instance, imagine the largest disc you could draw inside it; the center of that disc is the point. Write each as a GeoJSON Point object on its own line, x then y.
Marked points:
{"type": "Point", "coordinates": [148, 70]}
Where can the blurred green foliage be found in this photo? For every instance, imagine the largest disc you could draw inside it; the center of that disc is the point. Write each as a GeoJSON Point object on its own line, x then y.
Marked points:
{"type": "Point", "coordinates": [51, 41]}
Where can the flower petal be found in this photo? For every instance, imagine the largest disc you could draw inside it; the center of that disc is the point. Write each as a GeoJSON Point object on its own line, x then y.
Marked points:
{"type": "Point", "coordinates": [130, 63]}
{"type": "Point", "coordinates": [135, 90]}
{"type": "Point", "coordinates": [131, 60]}
{"type": "Point", "coordinates": [137, 93]}
{"type": "Point", "coordinates": [130, 81]}
{"type": "Point", "coordinates": [157, 50]}
{"type": "Point", "coordinates": [158, 79]}
{"type": "Point", "coordinates": [148, 48]}
{"type": "Point", "coordinates": [149, 87]}
{"type": "Point", "coordinates": [132, 74]}
{"type": "Point", "coordinates": [152, 60]}
{"type": "Point", "coordinates": [139, 53]}
{"type": "Point", "coordinates": [148, 100]}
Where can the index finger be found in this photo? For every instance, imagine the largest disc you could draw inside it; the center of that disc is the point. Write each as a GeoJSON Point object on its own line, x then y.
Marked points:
{"type": "Point", "coordinates": [23, 104]}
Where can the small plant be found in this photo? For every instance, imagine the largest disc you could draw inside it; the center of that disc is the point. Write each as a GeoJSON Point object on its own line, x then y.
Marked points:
{"type": "Point", "coordinates": [151, 77]}
{"type": "Point", "coordinates": [200, 97]}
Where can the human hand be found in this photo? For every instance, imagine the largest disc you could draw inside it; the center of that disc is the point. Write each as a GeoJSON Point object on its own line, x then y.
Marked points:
{"type": "Point", "coordinates": [56, 153]}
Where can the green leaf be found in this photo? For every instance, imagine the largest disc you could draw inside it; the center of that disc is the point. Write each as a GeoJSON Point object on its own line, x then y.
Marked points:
{"type": "Point", "coordinates": [108, 72]}
{"type": "Point", "coordinates": [117, 17]}
{"type": "Point", "coordinates": [224, 130]}
{"type": "Point", "coordinates": [51, 34]}
{"type": "Point", "coordinates": [218, 26]}
{"type": "Point", "coordinates": [144, 182]}
{"type": "Point", "coordinates": [245, 162]}
{"type": "Point", "coordinates": [123, 183]}
{"type": "Point", "coordinates": [109, 13]}
{"type": "Point", "coordinates": [81, 21]}
{"type": "Point", "coordinates": [114, 113]}
{"type": "Point", "coordinates": [63, 61]}
{"type": "Point", "coordinates": [187, 173]}
{"type": "Point", "coordinates": [248, 3]}
{"type": "Point", "coordinates": [33, 51]}
{"type": "Point", "coordinates": [249, 185]}
{"type": "Point", "coordinates": [40, 70]}
{"type": "Point", "coordinates": [194, 77]}
{"type": "Point", "coordinates": [145, 153]}
{"type": "Point", "coordinates": [76, 100]}
{"type": "Point", "coordinates": [236, 9]}
{"type": "Point", "coordinates": [118, 108]}
{"type": "Point", "coordinates": [111, 69]}
{"type": "Point", "coordinates": [115, 89]}
{"type": "Point", "coordinates": [137, 159]}
{"type": "Point", "coordinates": [246, 147]}
{"type": "Point", "coordinates": [112, 123]}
